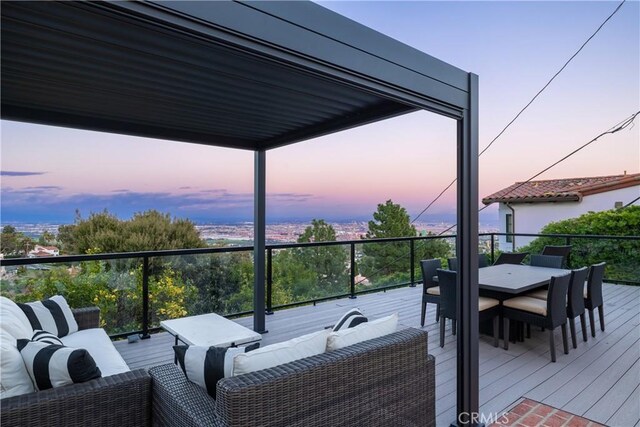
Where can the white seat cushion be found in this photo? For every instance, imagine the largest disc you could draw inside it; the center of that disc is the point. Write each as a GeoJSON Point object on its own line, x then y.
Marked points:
{"type": "Point", "coordinates": [434, 290]}
{"type": "Point", "coordinates": [532, 305]}
{"type": "Point", "coordinates": [14, 321]}
{"type": "Point", "coordinates": [14, 378]}
{"type": "Point", "coordinates": [281, 353]}
{"type": "Point", "coordinates": [540, 294]}
{"type": "Point", "coordinates": [99, 345]}
{"type": "Point", "coordinates": [363, 332]}
{"type": "Point", "coordinates": [486, 303]}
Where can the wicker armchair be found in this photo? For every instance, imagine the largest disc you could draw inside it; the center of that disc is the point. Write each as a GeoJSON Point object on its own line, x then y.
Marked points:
{"type": "Point", "coordinates": [382, 382]}
{"type": "Point", "coordinates": [121, 400]}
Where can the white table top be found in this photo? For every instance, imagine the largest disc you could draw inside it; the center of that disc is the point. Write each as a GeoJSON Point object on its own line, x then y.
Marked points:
{"type": "Point", "coordinates": [516, 278]}
{"type": "Point", "coordinates": [209, 330]}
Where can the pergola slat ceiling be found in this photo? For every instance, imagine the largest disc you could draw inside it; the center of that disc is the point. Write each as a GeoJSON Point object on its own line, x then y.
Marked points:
{"type": "Point", "coordinates": [119, 74]}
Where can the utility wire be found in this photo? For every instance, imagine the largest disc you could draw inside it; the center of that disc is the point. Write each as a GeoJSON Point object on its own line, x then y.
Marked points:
{"type": "Point", "coordinates": [616, 128]}
{"type": "Point", "coordinates": [526, 106]}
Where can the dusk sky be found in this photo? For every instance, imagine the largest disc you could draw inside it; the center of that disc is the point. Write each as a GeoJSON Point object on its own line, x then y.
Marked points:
{"type": "Point", "coordinates": [515, 48]}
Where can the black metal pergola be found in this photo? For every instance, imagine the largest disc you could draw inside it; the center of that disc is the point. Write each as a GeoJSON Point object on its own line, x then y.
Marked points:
{"type": "Point", "coordinates": [250, 75]}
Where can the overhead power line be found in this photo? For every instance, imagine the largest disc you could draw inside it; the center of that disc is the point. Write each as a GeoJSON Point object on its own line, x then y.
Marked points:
{"type": "Point", "coordinates": [616, 128]}
{"type": "Point", "coordinates": [525, 107]}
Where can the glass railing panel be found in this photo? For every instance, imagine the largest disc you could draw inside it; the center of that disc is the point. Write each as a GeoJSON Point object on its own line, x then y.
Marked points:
{"type": "Point", "coordinates": [188, 285]}
{"type": "Point", "coordinates": [115, 286]}
{"type": "Point", "coordinates": [307, 273]}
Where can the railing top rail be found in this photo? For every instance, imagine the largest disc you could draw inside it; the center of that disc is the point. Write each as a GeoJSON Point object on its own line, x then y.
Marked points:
{"type": "Point", "coordinates": [201, 251]}
{"type": "Point", "coordinates": [573, 236]}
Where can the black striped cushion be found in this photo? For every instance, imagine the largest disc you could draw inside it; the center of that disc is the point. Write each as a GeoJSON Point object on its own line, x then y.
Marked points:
{"type": "Point", "coordinates": [52, 365]}
{"type": "Point", "coordinates": [53, 315]}
{"type": "Point", "coordinates": [350, 319]}
{"type": "Point", "coordinates": [206, 366]}
{"type": "Point", "coordinates": [46, 337]}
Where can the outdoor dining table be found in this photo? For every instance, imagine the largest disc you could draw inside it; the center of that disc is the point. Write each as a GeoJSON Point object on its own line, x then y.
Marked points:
{"type": "Point", "coordinates": [509, 280]}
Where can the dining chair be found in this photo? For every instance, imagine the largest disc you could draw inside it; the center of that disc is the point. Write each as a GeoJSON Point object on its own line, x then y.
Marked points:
{"type": "Point", "coordinates": [551, 261]}
{"type": "Point", "coordinates": [511, 258]}
{"type": "Point", "coordinates": [489, 308]}
{"type": "Point", "coordinates": [575, 302]}
{"type": "Point", "coordinates": [593, 295]}
{"type": "Point", "coordinates": [549, 313]}
{"type": "Point", "coordinates": [562, 251]}
{"type": "Point", "coordinates": [483, 261]}
{"type": "Point", "coordinates": [430, 288]}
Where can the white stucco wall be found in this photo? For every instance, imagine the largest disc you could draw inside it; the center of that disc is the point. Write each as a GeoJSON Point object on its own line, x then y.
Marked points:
{"type": "Point", "coordinates": [531, 217]}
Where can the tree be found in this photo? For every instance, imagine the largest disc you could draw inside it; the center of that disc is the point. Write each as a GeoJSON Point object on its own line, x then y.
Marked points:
{"type": "Point", "coordinates": [622, 256]}
{"type": "Point", "coordinates": [146, 231]}
{"type": "Point", "coordinates": [382, 258]}
{"type": "Point", "coordinates": [12, 242]}
{"type": "Point", "coordinates": [328, 262]}
{"type": "Point", "coordinates": [312, 272]}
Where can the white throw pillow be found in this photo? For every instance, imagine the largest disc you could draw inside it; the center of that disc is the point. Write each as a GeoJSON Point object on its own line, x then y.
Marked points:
{"type": "Point", "coordinates": [362, 332]}
{"type": "Point", "coordinates": [281, 353]}
{"type": "Point", "coordinates": [14, 378]}
{"type": "Point", "coordinates": [13, 320]}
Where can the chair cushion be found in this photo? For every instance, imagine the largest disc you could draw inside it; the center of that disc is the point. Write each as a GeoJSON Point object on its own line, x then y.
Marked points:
{"type": "Point", "coordinates": [363, 332]}
{"type": "Point", "coordinates": [435, 290]}
{"type": "Point", "coordinates": [14, 321]}
{"type": "Point", "coordinates": [350, 319]}
{"type": "Point", "coordinates": [99, 345]}
{"type": "Point", "coordinates": [52, 365]}
{"type": "Point", "coordinates": [283, 352]}
{"type": "Point", "coordinates": [14, 378]}
{"type": "Point", "coordinates": [487, 303]}
{"type": "Point", "coordinates": [540, 294]}
{"type": "Point", "coordinates": [532, 305]}
{"type": "Point", "coordinates": [205, 366]}
{"type": "Point", "coordinates": [52, 315]}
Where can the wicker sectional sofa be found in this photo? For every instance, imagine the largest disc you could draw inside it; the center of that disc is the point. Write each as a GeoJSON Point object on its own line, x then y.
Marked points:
{"type": "Point", "coordinates": [119, 400]}
{"type": "Point", "coordinates": [387, 381]}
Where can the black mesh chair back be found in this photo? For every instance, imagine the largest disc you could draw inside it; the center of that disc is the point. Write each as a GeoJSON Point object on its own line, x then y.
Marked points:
{"type": "Point", "coordinates": [429, 269]}
{"type": "Point", "coordinates": [575, 302]}
{"type": "Point", "coordinates": [594, 284]}
{"type": "Point", "coordinates": [557, 300]}
{"type": "Point", "coordinates": [483, 261]}
{"type": "Point", "coordinates": [448, 291]}
{"type": "Point", "coordinates": [551, 261]}
{"type": "Point", "coordinates": [511, 258]}
{"type": "Point", "coordinates": [594, 295]}
{"type": "Point", "coordinates": [562, 251]}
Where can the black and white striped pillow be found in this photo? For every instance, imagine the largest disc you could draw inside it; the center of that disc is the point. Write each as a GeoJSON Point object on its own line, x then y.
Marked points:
{"type": "Point", "coordinates": [46, 337]}
{"type": "Point", "coordinates": [206, 366]}
{"type": "Point", "coordinates": [52, 365]}
{"type": "Point", "coordinates": [350, 319]}
{"type": "Point", "coordinates": [53, 315]}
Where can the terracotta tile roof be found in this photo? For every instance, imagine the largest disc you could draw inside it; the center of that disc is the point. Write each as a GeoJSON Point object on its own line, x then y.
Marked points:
{"type": "Point", "coordinates": [562, 190]}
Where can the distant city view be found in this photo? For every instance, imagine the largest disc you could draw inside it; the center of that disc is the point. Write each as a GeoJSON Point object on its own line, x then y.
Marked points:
{"type": "Point", "coordinates": [241, 234]}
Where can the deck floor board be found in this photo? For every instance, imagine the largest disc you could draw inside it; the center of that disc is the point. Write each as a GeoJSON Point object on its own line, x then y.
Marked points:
{"type": "Point", "coordinates": [599, 380]}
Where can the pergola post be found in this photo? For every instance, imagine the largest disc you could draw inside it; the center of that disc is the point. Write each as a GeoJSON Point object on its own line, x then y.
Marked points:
{"type": "Point", "coordinates": [259, 239]}
{"type": "Point", "coordinates": [467, 253]}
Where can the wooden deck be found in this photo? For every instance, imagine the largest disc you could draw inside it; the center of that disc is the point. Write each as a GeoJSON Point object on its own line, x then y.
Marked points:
{"type": "Point", "coordinates": [599, 380]}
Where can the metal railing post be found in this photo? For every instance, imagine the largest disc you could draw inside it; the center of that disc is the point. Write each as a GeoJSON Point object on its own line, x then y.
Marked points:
{"type": "Point", "coordinates": [269, 281]}
{"type": "Point", "coordinates": [145, 298]}
{"type": "Point", "coordinates": [568, 243]}
{"type": "Point", "coordinates": [412, 263]}
{"type": "Point", "coordinates": [352, 292]}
